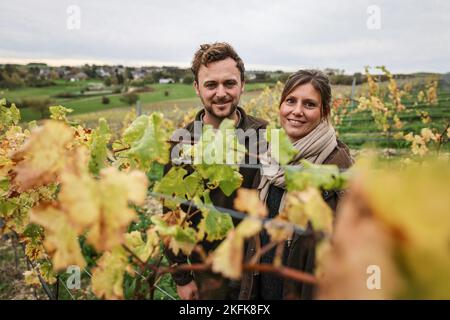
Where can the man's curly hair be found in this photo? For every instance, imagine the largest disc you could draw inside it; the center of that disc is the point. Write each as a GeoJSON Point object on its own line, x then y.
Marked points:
{"type": "Point", "coordinates": [217, 51]}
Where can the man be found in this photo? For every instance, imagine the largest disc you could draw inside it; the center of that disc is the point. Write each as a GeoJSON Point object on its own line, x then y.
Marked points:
{"type": "Point", "coordinates": [219, 83]}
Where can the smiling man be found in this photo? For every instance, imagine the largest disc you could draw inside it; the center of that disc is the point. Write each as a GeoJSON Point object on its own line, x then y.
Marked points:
{"type": "Point", "coordinates": [219, 82]}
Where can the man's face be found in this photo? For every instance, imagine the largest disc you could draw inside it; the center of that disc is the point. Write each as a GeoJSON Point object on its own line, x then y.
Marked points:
{"type": "Point", "coordinates": [219, 87]}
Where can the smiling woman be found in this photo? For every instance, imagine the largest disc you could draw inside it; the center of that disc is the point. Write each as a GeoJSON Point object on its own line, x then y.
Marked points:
{"type": "Point", "coordinates": [304, 110]}
{"type": "Point", "coordinates": [305, 102]}
{"type": "Point", "coordinates": [301, 111]}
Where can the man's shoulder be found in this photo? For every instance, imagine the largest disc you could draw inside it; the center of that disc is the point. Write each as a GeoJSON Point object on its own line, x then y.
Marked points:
{"type": "Point", "coordinates": [248, 122]}
{"type": "Point", "coordinates": [257, 123]}
{"type": "Point", "coordinates": [252, 122]}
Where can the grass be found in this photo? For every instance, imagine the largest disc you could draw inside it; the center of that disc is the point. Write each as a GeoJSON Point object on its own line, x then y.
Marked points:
{"type": "Point", "coordinates": [12, 284]}
{"type": "Point", "coordinates": [92, 101]}
{"type": "Point", "coordinates": [173, 109]}
{"type": "Point", "coordinates": [357, 130]}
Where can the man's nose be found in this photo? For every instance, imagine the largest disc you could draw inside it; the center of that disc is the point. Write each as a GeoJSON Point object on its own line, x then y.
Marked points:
{"type": "Point", "coordinates": [221, 92]}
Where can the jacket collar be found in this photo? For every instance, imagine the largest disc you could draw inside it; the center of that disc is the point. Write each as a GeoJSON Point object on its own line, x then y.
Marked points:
{"type": "Point", "coordinates": [241, 114]}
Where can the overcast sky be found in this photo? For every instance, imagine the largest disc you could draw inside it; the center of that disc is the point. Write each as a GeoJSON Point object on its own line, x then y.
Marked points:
{"type": "Point", "coordinates": [409, 36]}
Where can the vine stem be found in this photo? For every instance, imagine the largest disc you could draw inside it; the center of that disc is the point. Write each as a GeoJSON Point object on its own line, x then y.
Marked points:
{"type": "Point", "coordinates": [263, 250]}
{"type": "Point", "coordinates": [121, 149]}
{"type": "Point", "coordinates": [285, 272]}
{"type": "Point", "coordinates": [442, 137]}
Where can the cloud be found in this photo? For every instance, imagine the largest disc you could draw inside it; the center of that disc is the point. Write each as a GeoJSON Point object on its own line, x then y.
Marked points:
{"type": "Point", "coordinates": [290, 34]}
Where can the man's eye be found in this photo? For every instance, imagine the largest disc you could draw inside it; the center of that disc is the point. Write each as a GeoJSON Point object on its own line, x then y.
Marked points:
{"type": "Point", "coordinates": [230, 84]}
{"type": "Point", "coordinates": [210, 85]}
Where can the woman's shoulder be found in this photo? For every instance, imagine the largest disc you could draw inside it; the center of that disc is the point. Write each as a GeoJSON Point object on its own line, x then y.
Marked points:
{"type": "Point", "coordinates": [340, 156]}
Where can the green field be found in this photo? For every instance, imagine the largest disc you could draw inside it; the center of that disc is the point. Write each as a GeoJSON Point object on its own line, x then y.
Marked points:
{"type": "Point", "coordinates": [360, 130]}
{"type": "Point", "coordinates": [176, 100]}
{"type": "Point", "coordinates": [86, 103]}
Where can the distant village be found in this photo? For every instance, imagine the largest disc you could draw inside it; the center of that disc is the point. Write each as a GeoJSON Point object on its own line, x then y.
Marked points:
{"type": "Point", "coordinates": [41, 74]}
{"type": "Point", "coordinates": [117, 82]}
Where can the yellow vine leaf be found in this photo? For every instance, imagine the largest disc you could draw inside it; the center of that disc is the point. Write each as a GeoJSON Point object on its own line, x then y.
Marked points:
{"type": "Point", "coordinates": [100, 206]}
{"type": "Point", "coordinates": [308, 205]}
{"type": "Point", "coordinates": [61, 240]}
{"type": "Point", "coordinates": [395, 218]}
{"type": "Point", "coordinates": [107, 277]}
{"type": "Point", "coordinates": [279, 232]}
{"type": "Point", "coordinates": [228, 257]}
{"type": "Point", "coordinates": [116, 190]}
{"type": "Point", "coordinates": [42, 157]}
{"type": "Point", "coordinates": [214, 224]}
{"type": "Point", "coordinates": [79, 196]}
{"type": "Point", "coordinates": [31, 278]}
{"type": "Point", "coordinates": [247, 200]}
{"type": "Point", "coordinates": [358, 243]}
{"type": "Point", "coordinates": [33, 250]}
{"type": "Point", "coordinates": [47, 272]}
{"type": "Point", "coordinates": [249, 227]}
{"type": "Point", "coordinates": [417, 207]}
{"type": "Point", "coordinates": [175, 235]}
{"type": "Point", "coordinates": [143, 250]}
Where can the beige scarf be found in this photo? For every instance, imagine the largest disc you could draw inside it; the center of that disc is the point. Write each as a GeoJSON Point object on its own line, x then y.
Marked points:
{"type": "Point", "coordinates": [314, 147]}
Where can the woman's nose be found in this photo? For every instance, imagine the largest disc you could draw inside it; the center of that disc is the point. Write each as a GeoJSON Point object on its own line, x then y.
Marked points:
{"type": "Point", "coordinates": [298, 110]}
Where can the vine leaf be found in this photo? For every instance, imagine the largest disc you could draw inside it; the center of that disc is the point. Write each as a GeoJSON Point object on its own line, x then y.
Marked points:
{"type": "Point", "coordinates": [327, 177]}
{"type": "Point", "coordinates": [40, 160]}
{"type": "Point", "coordinates": [61, 240]}
{"type": "Point", "coordinates": [98, 147]}
{"type": "Point", "coordinates": [107, 277]}
{"type": "Point", "coordinates": [175, 236]}
{"type": "Point", "coordinates": [308, 206]}
{"type": "Point", "coordinates": [151, 146]}
{"type": "Point", "coordinates": [228, 257]}
{"type": "Point", "coordinates": [143, 250]}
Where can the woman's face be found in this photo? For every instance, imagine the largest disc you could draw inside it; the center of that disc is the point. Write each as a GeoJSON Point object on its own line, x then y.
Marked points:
{"type": "Point", "coordinates": [301, 111]}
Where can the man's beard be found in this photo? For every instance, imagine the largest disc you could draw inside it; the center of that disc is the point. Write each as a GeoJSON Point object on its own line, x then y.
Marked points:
{"type": "Point", "coordinates": [210, 109]}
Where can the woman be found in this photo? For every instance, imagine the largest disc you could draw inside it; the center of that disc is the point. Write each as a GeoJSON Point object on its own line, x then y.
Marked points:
{"type": "Point", "coordinates": [304, 112]}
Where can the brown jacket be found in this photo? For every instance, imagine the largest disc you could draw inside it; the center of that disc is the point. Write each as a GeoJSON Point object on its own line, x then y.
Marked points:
{"type": "Point", "coordinates": [301, 255]}
{"type": "Point", "coordinates": [218, 198]}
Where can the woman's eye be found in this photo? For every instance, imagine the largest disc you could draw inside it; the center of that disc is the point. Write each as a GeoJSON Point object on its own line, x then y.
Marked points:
{"type": "Point", "coordinates": [310, 105]}
{"type": "Point", "coordinates": [290, 101]}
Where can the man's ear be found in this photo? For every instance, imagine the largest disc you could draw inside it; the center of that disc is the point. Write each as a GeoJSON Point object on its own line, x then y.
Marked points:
{"type": "Point", "coordinates": [243, 86]}
{"type": "Point", "coordinates": [197, 91]}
